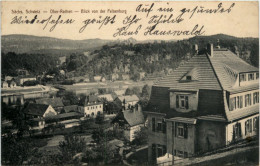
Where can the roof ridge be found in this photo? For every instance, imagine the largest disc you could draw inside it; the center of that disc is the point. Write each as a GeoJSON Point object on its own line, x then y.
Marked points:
{"type": "Point", "coordinates": [214, 71]}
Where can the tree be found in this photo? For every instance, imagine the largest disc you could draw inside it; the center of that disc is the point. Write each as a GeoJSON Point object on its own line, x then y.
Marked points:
{"type": "Point", "coordinates": [100, 119]}
{"type": "Point", "coordinates": [141, 136]}
{"type": "Point", "coordinates": [146, 91]}
{"type": "Point", "coordinates": [129, 92]}
{"type": "Point", "coordinates": [71, 146]}
{"type": "Point", "coordinates": [15, 151]}
{"type": "Point", "coordinates": [254, 55]}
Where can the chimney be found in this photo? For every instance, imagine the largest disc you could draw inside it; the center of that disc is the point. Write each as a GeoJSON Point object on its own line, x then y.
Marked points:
{"type": "Point", "coordinates": [210, 49]}
{"type": "Point", "coordinates": [196, 48]}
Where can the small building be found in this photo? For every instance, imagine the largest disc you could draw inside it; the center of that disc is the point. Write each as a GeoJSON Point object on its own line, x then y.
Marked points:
{"type": "Point", "coordinates": [70, 108]}
{"type": "Point", "coordinates": [39, 111]}
{"type": "Point", "coordinates": [103, 79]}
{"type": "Point", "coordinates": [22, 79]}
{"type": "Point", "coordinates": [130, 121]}
{"type": "Point", "coordinates": [97, 78]}
{"type": "Point", "coordinates": [127, 101]}
{"type": "Point", "coordinates": [11, 84]}
{"type": "Point", "coordinates": [56, 103]}
{"type": "Point", "coordinates": [4, 84]}
{"type": "Point", "coordinates": [91, 107]}
{"type": "Point", "coordinates": [118, 93]}
{"type": "Point", "coordinates": [36, 124]}
{"type": "Point", "coordinates": [108, 97]}
{"type": "Point", "coordinates": [142, 75]}
{"type": "Point", "coordinates": [124, 77]}
{"type": "Point", "coordinates": [8, 78]}
{"type": "Point", "coordinates": [114, 77]}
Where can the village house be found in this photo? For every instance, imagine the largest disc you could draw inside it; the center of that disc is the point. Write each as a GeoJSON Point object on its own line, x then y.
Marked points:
{"type": "Point", "coordinates": [56, 103]}
{"type": "Point", "coordinates": [70, 108]}
{"type": "Point", "coordinates": [91, 107]}
{"type": "Point", "coordinates": [206, 103]}
{"type": "Point", "coordinates": [8, 78]}
{"type": "Point", "coordinates": [142, 75]}
{"type": "Point", "coordinates": [130, 121]}
{"type": "Point", "coordinates": [11, 84]}
{"type": "Point", "coordinates": [39, 111]}
{"type": "Point", "coordinates": [127, 101]}
{"type": "Point", "coordinates": [124, 77]}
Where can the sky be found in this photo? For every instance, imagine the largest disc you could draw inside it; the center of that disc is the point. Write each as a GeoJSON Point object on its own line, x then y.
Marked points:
{"type": "Point", "coordinates": [241, 21]}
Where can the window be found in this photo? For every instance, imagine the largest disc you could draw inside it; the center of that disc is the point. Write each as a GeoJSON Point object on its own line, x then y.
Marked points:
{"type": "Point", "coordinates": [163, 126]}
{"type": "Point", "coordinates": [185, 155]}
{"type": "Point", "coordinates": [153, 124]}
{"type": "Point", "coordinates": [257, 75]}
{"type": "Point", "coordinates": [247, 100]}
{"type": "Point", "coordinates": [232, 104]}
{"type": "Point", "coordinates": [251, 76]}
{"type": "Point", "coordinates": [181, 130]}
{"type": "Point", "coordinates": [159, 126]}
{"type": "Point", "coordinates": [182, 101]}
{"type": "Point", "coordinates": [255, 97]}
{"type": "Point", "coordinates": [100, 106]}
{"type": "Point", "coordinates": [179, 153]}
{"type": "Point", "coordinates": [236, 131]}
{"type": "Point", "coordinates": [188, 78]}
{"type": "Point", "coordinates": [248, 126]}
{"type": "Point", "coordinates": [161, 150]}
{"type": "Point", "coordinates": [242, 77]}
{"type": "Point", "coordinates": [255, 123]}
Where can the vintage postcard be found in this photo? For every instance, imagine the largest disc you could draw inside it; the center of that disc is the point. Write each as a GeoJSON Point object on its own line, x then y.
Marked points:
{"type": "Point", "coordinates": [130, 83]}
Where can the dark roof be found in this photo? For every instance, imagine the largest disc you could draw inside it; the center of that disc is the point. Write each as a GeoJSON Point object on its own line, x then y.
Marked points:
{"type": "Point", "coordinates": [199, 67]}
{"type": "Point", "coordinates": [133, 117]}
{"type": "Point", "coordinates": [219, 118]}
{"type": "Point", "coordinates": [184, 120]}
{"type": "Point", "coordinates": [54, 102]}
{"type": "Point", "coordinates": [36, 109]}
{"type": "Point", "coordinates": [66, 115]}
{"type": "Point", "coordinates": [91, 99]}
{"type": "Point", "coordinates": [70, 108]}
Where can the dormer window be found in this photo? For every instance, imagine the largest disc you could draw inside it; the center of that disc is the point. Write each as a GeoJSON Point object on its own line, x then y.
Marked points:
{"type": "Point", "coordinates": [242, 77]}
{"type": "Point", "coordinates": [251, 76]}
{"type": "Point", "coordinates": [182, 102]}
{"type": "Point", "coordinates": [188, 78]}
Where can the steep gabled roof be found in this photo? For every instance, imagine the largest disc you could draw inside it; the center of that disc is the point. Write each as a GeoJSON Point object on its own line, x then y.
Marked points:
{"type": "Point", "coordinates": [36, 109]}
{"type": "Point", "coordinates": [133, 117]}
{"type": "Point", "coordinates": [198, 65]}
{"type": "Point", "coordinates": [108, 97]}
{"type": "Point", "coordinates": [54, 102]}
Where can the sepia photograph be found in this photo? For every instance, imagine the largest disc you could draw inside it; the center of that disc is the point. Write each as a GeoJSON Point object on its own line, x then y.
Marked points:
{"type": "Point", "coordinates": [130, 83]}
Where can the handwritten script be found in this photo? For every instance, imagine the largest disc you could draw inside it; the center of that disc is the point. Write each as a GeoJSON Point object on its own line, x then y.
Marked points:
{"type": "Point", "coordinates": [148, 19]}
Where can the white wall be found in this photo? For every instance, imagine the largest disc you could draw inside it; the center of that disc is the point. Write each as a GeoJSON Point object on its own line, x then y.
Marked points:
{"type": "Point", "coordinates": [88, 110]}
{"type": "Point", "coordinates": [134, 129]}
{"type": "Point", "coordinates": [49, 112]}
{"type": "Point", "coordinates": [229, 129]}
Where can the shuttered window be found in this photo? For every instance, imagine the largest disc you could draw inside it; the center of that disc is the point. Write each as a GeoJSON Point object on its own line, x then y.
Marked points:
{"type": "Point", "coordinates": [177, 101]}
{"type": "Point", "coordinates": [153, 124]}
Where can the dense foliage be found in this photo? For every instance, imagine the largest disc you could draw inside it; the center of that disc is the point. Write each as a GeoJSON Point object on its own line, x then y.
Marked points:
{"type": "Point", "coordinates": [34, 63]}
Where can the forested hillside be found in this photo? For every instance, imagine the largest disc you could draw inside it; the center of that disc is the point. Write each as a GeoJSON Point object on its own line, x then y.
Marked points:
{"type": "Point", "coordinates": [155, 58]}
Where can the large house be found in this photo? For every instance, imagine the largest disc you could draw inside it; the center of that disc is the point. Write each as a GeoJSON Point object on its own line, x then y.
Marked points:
{"type": "Point", "coordinates": [22, 79]}
{"type": "Point", "coordinates": [130, 121]}
{"type": "Point", "coordinates": [206, 103]}
{"type": "Point", "coordinates": [91, 107]}
{"type": "Point", "coordinates": [56, 103]}
{"type": "Point", "coordinates": [39, 111]}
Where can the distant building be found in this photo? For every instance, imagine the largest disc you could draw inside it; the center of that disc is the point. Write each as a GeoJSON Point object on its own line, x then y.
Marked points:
{"type": "Point", "coordinates": [114, 77]}
{"type": "Point", "coordinates": [56, 103]}
{"type": "Point", "coordinates": [103, 79]}
{"type": "Point", "coordinates": [70, 108]}
{"type": "Point", "coordinates": [124, 77]}
{"type": "Point", "coordinates": [127, 101]}
{"type": "Point", "coordinates": [22, 72]}
{"type": "Point", "coordinates": [91, 107]}
{"type": "Point", "coordinates": [4, 84]}
{"type": "Point", "coordinates": [142, 75]}
{"type": "Point", "coordinates": [11, 84]}
{"type": "Point", "coordinates": [130, 121]}
{"type": "Point", "coordinates": [39, 111]}
{"type": "Point", "coordinates": [22, 79]}
{"type": "Point", "coordinates": [118, 93]}
{"type": "Point", "coordinates": [108, 97]}
{"type": "Point", "coordinates": [97, 78]}
{"type": "Point", "coordinates": [8, 78]}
